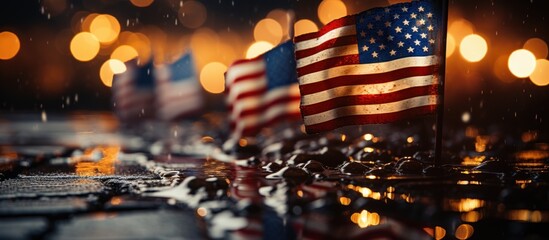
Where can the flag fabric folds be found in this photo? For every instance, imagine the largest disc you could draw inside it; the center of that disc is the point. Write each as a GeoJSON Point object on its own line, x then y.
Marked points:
{"type": "Point", "coordinates": [379, 66]}
{"type": "Point", "coordinates": [178, 93]}
{"type": "Point", "coordinates": [262, 91]}
{"type": "Point", "coordinates": [133, 92]}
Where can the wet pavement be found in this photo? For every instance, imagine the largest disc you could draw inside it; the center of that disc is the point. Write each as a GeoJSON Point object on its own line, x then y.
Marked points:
{"type": "Point", "coordinates": [86, 176]}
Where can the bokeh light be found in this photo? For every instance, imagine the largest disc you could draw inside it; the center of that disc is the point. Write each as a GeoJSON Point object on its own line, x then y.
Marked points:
{"type": "Point", "coordinates": [501, 69]}
{"type": "Point", "coordinates": [282, 17]}
{"type": "Point", "coordinates": [329, 10]}
{"type": "Point", "coordinates": [203, 42]}
{"type": "Point", "coordinates": [450, 45]}
{"type": "Point", "coordinates": [268, 30]}
{"type": "Point", "coordinates": [473, 48]}
{"type": "Point", "coordinates": [212, 77]}
{"type": "Point", "coordinates": [84, 46]}
{"type": "Point", "coordinates": [540, 76]}
{"type": "Point", "coordinates": [109, 69]}
{"type": "Point", "coordinates": [124, 53]}
{"type": "Point", "coordinates": [258, 48]}
{"type": "Point", "coordinates": [460, 28]}
{"type": "Point", "coordinates": [304, 26]}
{"type": "Point", "coordinates": [87, 21]}
{"type": "Point", "coordinates": [55, 7]}
{"type": "Point", "coordinates": [139, 42]}
{"type": "Point", "coordinates": [141, 3]}
{"type": "Point", "coordinates": [105, 27]}
{"type": "Point", "coordinates": [9, 45]}
{"type": "Point", "coordinates": [522, 63]}
{"type": "Point", "coordinates": [464, 231]}
{"type": "Point", "coordinates": [192, 14]}
{"type": "Point", "coordinates": [537, 46]}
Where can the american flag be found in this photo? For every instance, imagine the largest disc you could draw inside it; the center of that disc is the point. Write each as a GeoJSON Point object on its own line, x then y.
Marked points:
{"type": "Point", "coordinates": [379, 66]}
{"type": "Point", "coordinates": [262, 91]}
{"type": "Point", "coordinates": [133, 92]}
{"type": "Point", "coordinates": [178, 91]}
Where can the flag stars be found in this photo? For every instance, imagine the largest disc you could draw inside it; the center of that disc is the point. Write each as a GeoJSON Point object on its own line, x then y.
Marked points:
{"type": "Point", "coordinates": [370, 26]}
{"type": "Point", "coordinates": [417, 42]}
{"type": "Point", "coordinates": [375, 54]}
{"type": "Point", "coordinates": [413, 15]}
{"type": "Point", "coordinates": [406, 22]}
{"type": "Point", "coordinates": [415, 29]}
{"type": "Point", "coordinates": [430, 28]}
{"type": "Point", "coordinates": [425, 49]}
{"type": "Point", "coordinates": [410, 49]}
{"type": "Point", "coordinates": [363, 34]}
{"type": "Point", "coordinates": [380, 32]}
{"type": "Point", "coordinates": [400, 44]}
{"type": "Point", "coordinates": [372, 40]}
{"type": "Point", "coordinates": [398, 29]}
{"type": "Point", "coordinates": [408, 36]}
{"type": "Point", "coordinates": [387, 24]}
{"type": "Point", "coordinates": [421, 22]}
{"type": "Point", "coordinates": [390, 38]}
{"type": "Point", "coordinates": [423, 35]}
{"type": "Point", "coordinates": [387, 10]}
{"type": "Point", "coordinates": [378, 18]}
{"type": "Point", "coordinates": [392, 52]}
{"type": "Point", "coordinates": [404, 9]}
{"type": "Point", "coordinates": [382, 47]}
{"type": "Point", "coordinates": [396, 16]}
{"type": "Point", "coordinates": [429, 15]}
{"type": "Point", "coordinates": [420, 9]}
{"type": "Point", "coordinates": [365, 48]}
{"type": "Point", "coordinates": [432, 41]}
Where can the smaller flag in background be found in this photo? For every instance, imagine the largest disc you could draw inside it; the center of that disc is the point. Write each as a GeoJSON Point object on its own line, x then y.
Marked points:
{"type": "Point", "coordinates": [133, 92]}
{"type": "Point", "coordinates": [262, 91]}
{"type": "Point", "coordinates": [379, 66]}
{"type": "Point", "coordinates": [178, 91]}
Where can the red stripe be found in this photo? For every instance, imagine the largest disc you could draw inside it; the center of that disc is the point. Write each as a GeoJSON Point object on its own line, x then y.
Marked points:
{"type": "Point", "coordinates": [264, 107]}
{"type": "Point", "coordinates": [336, 42]}
{"type": "Point", "coordinates": [344, 21]}
{"type": "Point", "coordinates": [249, 77]}
{"type": "Point", "coordinates": [370, 119]}
{"type": "Point", "coordinates": [349, 80]}
{"type": "Point", "coordinates": [254, 129]}
{"type": "Point", "coordinates": [328, 63]}
{"type": "Point", "coordinates": [368, 99]}
{"type": "Point", "coordinates": [248, 94]}
{"type": "Point", "coordinates": [242, 61]}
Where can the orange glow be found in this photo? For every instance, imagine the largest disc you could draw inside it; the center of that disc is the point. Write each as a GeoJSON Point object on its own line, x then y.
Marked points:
{"type": "Point", "coordinates": [105, 27]}
{"type": "Point", "coordinates": [85, 27]}
{"type": "Point", "coordinates": [84, 46]}
{"type": "Point", "coordinates": [105, 166]}
{"type": "Point", "coordinates": [204, 42]}
{"type": "Point", "coordinates": [464, 231]}
{"type": "Point", "coordinates": [282, 17]}
{"type": "Point", "coordinates": [268, 30]}
{"type": "Point", "coordinates": [345, 201]}
{"type": "Point", "coordinates": [55, 7]}
{"type": "Point", "coordinates": [365, 219]}
{"type": "Point", "coordinates": [450, 45]}
{"type": "Point", "coordinates": [9, 45]}
{"type": "Point", "coordinates": [141, 3]}
{"type": "Point", "coordinates": [465, 204]}
{"type": "Point", "coordinates": [258, 48]}
{"type": "Point", "coordinates": [109, 68]}
{"type": "Point", "coordinates": [460, 29]}
{"type": "Point", "coordinates": [329, 10]}
{"type": "Point", "coordinates": [522, 63]}
{"type": "Point", "coordinates": [537, 46]}
{"type": "Point", "coordinates": [201, 211]}
{"type": "Point", "coordinates": [501, 69]}
{"type": "Point", "coordinates": [473, 48]}
{"type": "Point", "coordinates": [212, 77]}
{"type": "Point", "coordinates": [139, 42]}
{"type": "Point", "coordinates": [540, 76]}
{"type": "Point", "coordinates": [304, 26]}
{"type": "Point", "coordinates": [192, 14]}
{"type": "Point", "coordinates": [124, 53]}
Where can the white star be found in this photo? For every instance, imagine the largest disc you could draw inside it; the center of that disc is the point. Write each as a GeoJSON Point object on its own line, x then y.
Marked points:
{"type": "Point", "coordinates": [410, 49]}
{"type": "Point", "coordinates": [382, 47]}
{"type": "Point", "coordinates": [372, 41]}
{"type": "Point", "coordinates": [413, 15]}
{"type": "Point", "coordinates": [417, 42]}
{"type": "Point", "coordinates": [400, 44]}
{"type": "Point", "coordinates": [387, 10]}
{"type": "Point", "coordinates": [430, 28]}
{"type": "Point", "coordinates": [408, 36]}
{"type": "Point", "coordinates": [423, 35]}
{"type": "Point", "coordinates": [406, 22]}
{"type": "Point", "coordinates": [398, 29]}
{"type": "Point", "coordinates": [363, 34]}
{"type": "Point", "coordinates": [390, 38]}
{"type": "Point", "coordinates": [396, 16]}
{"type": "Point", "coordinates": [374, 54]}
{"type": "Point", "coordinates": [425, 49]}
{"type": "Point", "coordinates": [429, 15]}
{"type": "Point", "coordinates": [387, 24]}
{"type": "Point", "coordinates": [392, 52]}
{"type": "Point", "coordinates": [432, 41]}
{"type": "Point", "coordinates": [421, 9]}
{"type": "Point", "coordinates": [421, 22]}
{"type": "Point", "coordinates": [380, 32]}
{"type": "Point", "coordinates": [405, 9]}
{"type": "Point", "coordinates": [414, 29]}
{"type": "Point", "coordinates": [365, 48]}
{"type": "Point", "coordinates": [377, 17]}
{"type": "Point", "coordinates": [370, 26]}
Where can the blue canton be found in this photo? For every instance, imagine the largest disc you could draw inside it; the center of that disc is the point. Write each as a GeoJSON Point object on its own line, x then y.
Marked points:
{"type": "Point", "coordinates": [183, 68]}
{"type": "Point", "coordinates": [281, 65]}
{"type": "Point", "coordinates": [398, 31]}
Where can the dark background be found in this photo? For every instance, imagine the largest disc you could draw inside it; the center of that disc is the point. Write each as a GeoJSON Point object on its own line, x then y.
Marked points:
{"type": "Point", "coordinates": [44, 76]}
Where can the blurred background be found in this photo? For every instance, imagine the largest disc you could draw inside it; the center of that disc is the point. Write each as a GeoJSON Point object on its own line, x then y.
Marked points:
{"type": "Point", "coordinates": [60, 55]}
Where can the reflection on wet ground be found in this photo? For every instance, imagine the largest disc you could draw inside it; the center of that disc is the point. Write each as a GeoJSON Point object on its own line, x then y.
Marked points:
{"type": "Point", "coordinates": [82, 177]}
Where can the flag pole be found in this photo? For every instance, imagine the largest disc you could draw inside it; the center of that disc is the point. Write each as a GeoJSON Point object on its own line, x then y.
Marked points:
{"type": "Point", "coordinates": [442, 78]}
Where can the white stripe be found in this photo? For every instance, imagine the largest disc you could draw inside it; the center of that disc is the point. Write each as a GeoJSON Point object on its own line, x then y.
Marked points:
{"type": "Point", "coordinates": [260, 101]}
{"type": "Point", "coordinates": [368, 89]}
{"type": "Point", "coordinates": [271, 113]}
{"type": "Point", "coordinates": [328, 53]}
{"type": "Point", "coordinates": [246, 86]}
{"type": "Point", "coordinates": [167, 91]}
{"type": "Point", "coordinates": [335, 33]}
{"type": "Point", "coordinates": [370, 68]}
{"type": "Point", "coordinates": [370, 109]}
{"type": "Point", "coordinates": [172, 109]}
{"type": "Point", "coordinates": [242, 69]}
